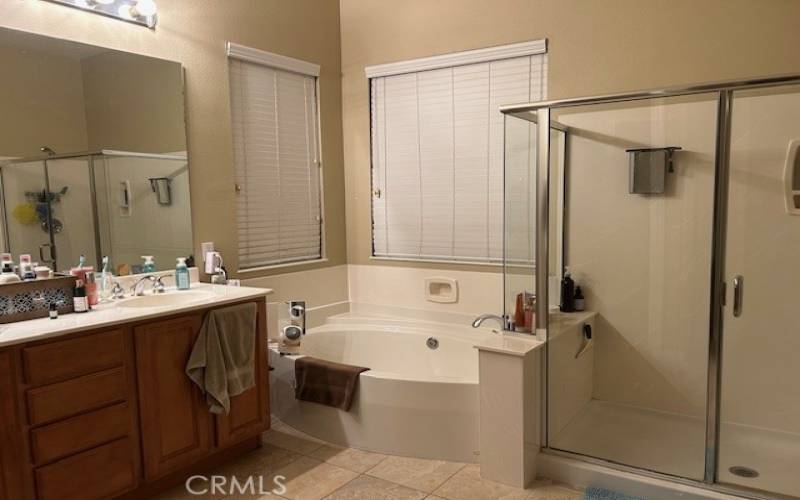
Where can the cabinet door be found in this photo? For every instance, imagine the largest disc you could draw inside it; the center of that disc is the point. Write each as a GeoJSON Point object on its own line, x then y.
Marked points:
{"type": "Point", "coordinates": [175, 422]}
{"type": "Point", "coordinates": [10, 447]}
{"type": "Point", "coordinates": [249, 414]}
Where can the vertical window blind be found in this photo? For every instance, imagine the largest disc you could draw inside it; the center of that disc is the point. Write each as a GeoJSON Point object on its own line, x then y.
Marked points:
{"type": "Point", "coordinates": [276, 161]}
{"type": "Point", "coordinates": [437, 157]}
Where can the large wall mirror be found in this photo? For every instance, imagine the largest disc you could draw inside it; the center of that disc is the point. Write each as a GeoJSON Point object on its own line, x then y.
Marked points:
{"type": "Point", "coordinates": [92, 155]}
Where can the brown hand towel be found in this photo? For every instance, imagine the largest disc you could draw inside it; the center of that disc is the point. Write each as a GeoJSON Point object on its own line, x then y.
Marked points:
{"type": "Point", "coordinates": [222, 362]}
{"type": "Point", "coordinates": [326, 382]}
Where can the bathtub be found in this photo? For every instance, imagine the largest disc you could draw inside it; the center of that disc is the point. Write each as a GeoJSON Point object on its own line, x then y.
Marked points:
{"type": "Point", "coordinates": [414, 400]}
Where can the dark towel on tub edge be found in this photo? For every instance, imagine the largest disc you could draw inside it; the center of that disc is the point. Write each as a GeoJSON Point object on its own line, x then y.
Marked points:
{"type": "Point", "coordinates": [326, 382]}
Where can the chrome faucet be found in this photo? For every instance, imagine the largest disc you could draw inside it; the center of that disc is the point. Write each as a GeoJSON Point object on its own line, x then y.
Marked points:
{"type": "Point", "coordinates": [504, 321]}
{"type": "Point", "coordinates": [135, 288]}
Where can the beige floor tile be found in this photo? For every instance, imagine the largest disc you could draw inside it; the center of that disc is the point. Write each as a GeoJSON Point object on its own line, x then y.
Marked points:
{"type": "Point", "coordinates": [372, 488]}
{"type": "Point", "coordinates": [261, 462]}
{"type": "Point", "coordinates": [416, 473]}
{"type": "Point", "coordinates": [349, 458]}
{"type": "Point", "coordinates": [554, 492]}
{"type": "Point", "coordinates": [467, 484]}
{"type": "Point", "coordinates": [291, 441]}
{"type": "Point", "coordinates": [310, 479]}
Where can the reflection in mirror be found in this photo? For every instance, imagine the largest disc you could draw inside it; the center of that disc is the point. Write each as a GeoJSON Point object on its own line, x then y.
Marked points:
{"type": "Point", "coordinates": [92, 155]}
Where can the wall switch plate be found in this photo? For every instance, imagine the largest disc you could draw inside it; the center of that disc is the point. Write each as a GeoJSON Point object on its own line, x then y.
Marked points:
{"type": "Point", "coordinates": [205, 248]}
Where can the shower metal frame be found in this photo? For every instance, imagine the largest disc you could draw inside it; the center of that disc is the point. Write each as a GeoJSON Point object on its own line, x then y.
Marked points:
{"type": "Point", "coordinates": [91, 157]}
{"type": "Point", "coordinates": [539, 113]}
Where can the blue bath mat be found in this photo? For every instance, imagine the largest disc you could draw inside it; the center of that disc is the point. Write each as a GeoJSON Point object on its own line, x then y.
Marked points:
{"type": "Point", "coordinates": [594, 493]}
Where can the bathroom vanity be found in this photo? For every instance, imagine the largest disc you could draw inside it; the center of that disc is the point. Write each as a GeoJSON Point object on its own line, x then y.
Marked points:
{"type": "Point", "coordinates": [98, 405]}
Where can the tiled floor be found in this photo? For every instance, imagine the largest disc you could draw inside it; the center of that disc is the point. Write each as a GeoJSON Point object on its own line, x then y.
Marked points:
{"type": "Point", "coordinates": [314, 470]}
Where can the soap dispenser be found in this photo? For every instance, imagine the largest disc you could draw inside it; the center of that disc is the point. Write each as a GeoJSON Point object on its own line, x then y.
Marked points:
{"type": "Point", "coordinates": [149, 264]}
{"type": "Point", "coordinates": [182, 279]}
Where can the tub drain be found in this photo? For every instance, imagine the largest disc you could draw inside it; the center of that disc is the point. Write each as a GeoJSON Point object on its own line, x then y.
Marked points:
{"type": "Point", "coordinates": [432, 343]}
{"type": "Point", "coordinates": [738, 470]}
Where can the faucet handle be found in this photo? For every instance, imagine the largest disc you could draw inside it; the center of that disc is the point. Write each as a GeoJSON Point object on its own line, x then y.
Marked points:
{"type": "Point", "coordinates": [117, 292]}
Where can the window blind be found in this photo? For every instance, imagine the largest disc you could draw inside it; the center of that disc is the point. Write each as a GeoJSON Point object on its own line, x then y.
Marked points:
{"type": "Point", "coordinates": [274, 122]}
{"type": "Point", "coordinates": [437, 158]}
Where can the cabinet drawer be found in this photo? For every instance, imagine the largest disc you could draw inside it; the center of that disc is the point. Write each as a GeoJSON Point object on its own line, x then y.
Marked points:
{"type": "Point", "coordinates": [80, 433]}
{"type": "Point", "coordinates": [102, 472]}
{"type": "Point", "coordinates": [65, 399]}
{"type": "Point", "coordinates": [74, 357]}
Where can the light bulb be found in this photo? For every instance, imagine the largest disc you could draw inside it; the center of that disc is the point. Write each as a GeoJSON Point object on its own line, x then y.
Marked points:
{"type": "Point", "coordinates": [124, 11]}
{"type": "Point", "coordinates": [145, 8]}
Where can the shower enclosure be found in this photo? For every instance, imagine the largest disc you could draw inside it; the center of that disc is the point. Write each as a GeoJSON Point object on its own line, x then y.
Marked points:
{"type": "Point", "coordinates": [689, 267]}
{"type": "Point", "coordinates": [115, 203]}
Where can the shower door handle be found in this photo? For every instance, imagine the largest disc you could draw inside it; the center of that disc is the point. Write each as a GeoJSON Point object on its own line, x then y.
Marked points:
{"type": "Point", "coordinates": [738, 290]}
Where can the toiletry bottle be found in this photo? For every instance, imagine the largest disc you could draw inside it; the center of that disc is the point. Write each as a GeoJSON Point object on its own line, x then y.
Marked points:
{"type": "Point", "coordinates": [106, 283]}
{"type": "Point", "coordinates": [91, 289]}
{"type": "Point", "coordinates": [53, 310]}
{"type": "Point", "coordinates": [8, 275]}
{"type": "Point", "coordinates": [26, 267]}
{"type": "Point", "coordinates": [567, 293]}
{"type": "Point", "coordinates": [519, 312]}
{"type": "Point", "coordinates": [580, 302]}
{"type": "Point", "coordinates": [182, 279]}
{"type": "Point", "coordinates": [80, 302]}
{"type": "Point", "coordinates": [149, 264]}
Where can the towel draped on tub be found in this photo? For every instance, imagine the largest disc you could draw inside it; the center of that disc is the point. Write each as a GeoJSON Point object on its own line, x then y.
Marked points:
{"type": "Point", "coordinates": [326, 382]}
{"type": "Point", "coordinates": [222, 362]}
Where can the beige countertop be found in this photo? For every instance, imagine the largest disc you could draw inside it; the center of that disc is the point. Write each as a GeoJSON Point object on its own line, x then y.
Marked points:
{"type": "Point", "coordinates": [113, 313]}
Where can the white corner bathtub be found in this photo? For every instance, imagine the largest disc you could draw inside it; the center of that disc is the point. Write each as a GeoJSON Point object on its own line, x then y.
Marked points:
{"type": "Point", "coordinates": [414, 401]}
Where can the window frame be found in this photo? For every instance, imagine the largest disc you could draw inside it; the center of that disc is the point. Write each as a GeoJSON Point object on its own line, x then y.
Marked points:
{"type": "Point", "coordinates": [284, 63]}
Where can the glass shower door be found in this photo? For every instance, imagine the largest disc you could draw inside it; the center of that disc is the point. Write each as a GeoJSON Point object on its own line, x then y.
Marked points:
{"type": "Point", "coordinates": [760, 401]}
{"type": "Point", "coordinates": [27, 212]}
{"type": "Point", "coordinates": [638, 241]}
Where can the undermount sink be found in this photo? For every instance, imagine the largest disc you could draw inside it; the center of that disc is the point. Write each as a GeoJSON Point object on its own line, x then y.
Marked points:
{"type": "Point", "coordinates": [165, 299]}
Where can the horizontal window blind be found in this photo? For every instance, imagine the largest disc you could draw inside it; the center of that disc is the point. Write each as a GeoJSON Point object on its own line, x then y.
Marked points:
{"type": "Point", "coordinates": [274, 121]}
{"type": "Point", "coordinates": [437, 158]}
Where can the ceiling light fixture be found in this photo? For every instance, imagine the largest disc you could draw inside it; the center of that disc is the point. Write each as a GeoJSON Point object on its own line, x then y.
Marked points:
{"type": "Point", "coordinates": [143, 12]}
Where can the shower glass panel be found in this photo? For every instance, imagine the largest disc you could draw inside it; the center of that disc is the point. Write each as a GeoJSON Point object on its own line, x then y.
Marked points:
{"type": "Point", "coordinates": [73, 225]}
{"type": "Point", "coordinates": [520, 216]}
{"type": "Point", "coordinates": [638, 395]}
{"type": "Point", "coordinates": [26, 211]}
{"type": "Point", "coordinates": [760, 408]}
{"type": "Point", "coordinates": [133, 192]}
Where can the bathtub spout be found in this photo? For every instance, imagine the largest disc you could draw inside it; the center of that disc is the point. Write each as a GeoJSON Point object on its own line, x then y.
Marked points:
{"type": "Point", "coordinates": [504, 323]}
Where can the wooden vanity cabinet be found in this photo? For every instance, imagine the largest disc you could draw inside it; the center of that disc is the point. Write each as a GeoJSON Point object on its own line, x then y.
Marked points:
{"type": "Point", "coordinates": [176, 425]}
{"type": "Point", "coordinates": [111, 412]}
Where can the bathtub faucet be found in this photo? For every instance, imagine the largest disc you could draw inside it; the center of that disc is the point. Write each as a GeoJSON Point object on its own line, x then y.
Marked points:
{"type": "Point", "coordinates": [503, 320]}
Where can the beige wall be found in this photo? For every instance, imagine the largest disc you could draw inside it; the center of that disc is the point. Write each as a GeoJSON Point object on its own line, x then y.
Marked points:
{"type": "Point", "coordinates": [133, 103]}
{"type": "Point", "coordinates": [41, 103]}
{"type": "Point", "coordinates": [595, 48]}
{"type": "Point", "coordinates": [194, 33]}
